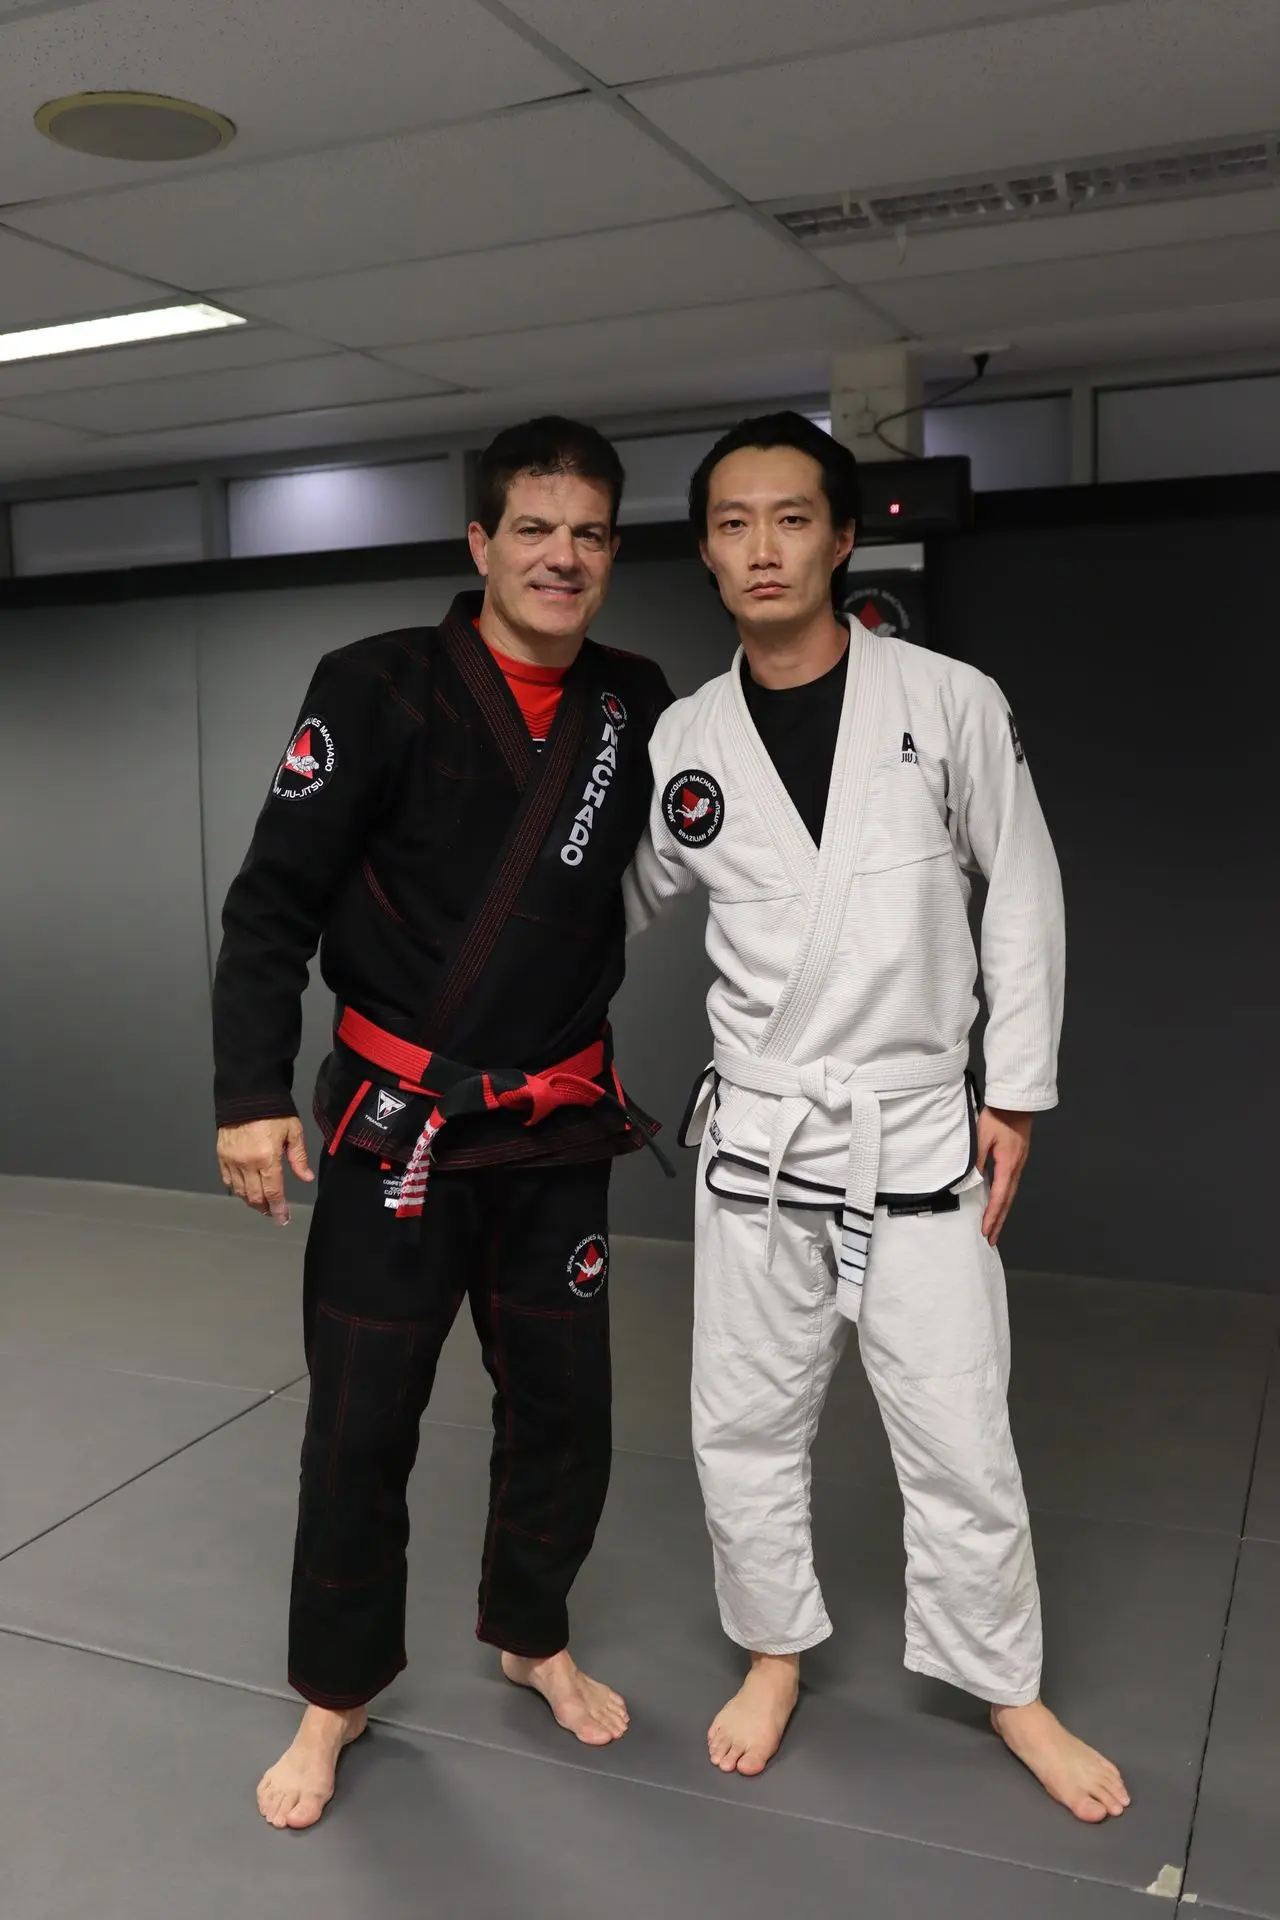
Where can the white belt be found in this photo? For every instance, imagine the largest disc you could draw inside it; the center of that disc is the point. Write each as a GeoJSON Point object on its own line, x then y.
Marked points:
{"type": "Point", "coordinates": [837, 1087]}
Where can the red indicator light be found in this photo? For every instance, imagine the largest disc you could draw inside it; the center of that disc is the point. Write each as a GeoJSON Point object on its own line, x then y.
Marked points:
{"type": "Point", "coordinates": [895, 506]}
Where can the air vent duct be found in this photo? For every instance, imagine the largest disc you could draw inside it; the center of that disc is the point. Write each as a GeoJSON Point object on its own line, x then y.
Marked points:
{"type": "Point", "coordinates": [987, 199]}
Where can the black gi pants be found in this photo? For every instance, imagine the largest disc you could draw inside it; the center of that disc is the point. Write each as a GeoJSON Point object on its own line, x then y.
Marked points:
{"type": "Point", "coordinates": [529, 1249]}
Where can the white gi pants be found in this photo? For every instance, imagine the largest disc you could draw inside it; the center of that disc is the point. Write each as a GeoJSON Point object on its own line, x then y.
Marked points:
{"type": "Point", "coordinates": [934, 1339]}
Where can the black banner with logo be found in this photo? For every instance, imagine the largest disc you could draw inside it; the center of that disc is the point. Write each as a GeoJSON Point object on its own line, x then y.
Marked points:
{"type": "Point", "coordinates": [892, 602]}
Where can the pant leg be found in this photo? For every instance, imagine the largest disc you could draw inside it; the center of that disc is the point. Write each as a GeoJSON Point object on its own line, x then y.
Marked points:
{"type": "Point", "coordinates": [934, 1338]}
{"type": "Point", "coordinates": [379, 1299]}
{"type": "Point", "coordinates": [540, 1301]}
{"type": "Point", "coordinates": [765, 1345]}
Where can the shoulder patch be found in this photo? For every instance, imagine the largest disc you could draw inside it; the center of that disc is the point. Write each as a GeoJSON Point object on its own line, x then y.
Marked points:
{"type": "Point", "coordinates": [309, 762]}
{"type": "Point", "coordinates": [1019, 752]}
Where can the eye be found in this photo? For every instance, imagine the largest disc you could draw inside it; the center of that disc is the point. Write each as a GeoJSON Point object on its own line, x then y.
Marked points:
{"type": "Point", "coordinates": [591, 538]}
{"type": "Point", "coordinates": [795, 520]}
{"type": "Point", "coordinates": [731, 526]}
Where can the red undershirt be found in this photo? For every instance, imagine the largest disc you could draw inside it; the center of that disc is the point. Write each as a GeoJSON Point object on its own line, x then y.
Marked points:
{"type": "Point", "coordinates": [536, 690]}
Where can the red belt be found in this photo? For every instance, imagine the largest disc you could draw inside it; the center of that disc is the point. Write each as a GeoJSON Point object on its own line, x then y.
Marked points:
{"type": "Point", "coordinates": [456, 1089]}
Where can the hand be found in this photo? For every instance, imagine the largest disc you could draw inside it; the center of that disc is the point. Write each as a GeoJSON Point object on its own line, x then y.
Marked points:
{"type": "Point", "coordinates": [250, 1159]}
{"type": "Point", "coordinates": [1004, 1138]}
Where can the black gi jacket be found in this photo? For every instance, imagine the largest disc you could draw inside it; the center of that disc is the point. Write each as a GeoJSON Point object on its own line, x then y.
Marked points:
{"type": "Point", "coordinates": [409, 791]}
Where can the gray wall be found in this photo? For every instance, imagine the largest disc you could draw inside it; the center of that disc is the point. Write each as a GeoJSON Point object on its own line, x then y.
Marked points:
{"type": "Point", "coordinates": [136, 745]}
{"type": "Point", "coordinates": [1136, 659]}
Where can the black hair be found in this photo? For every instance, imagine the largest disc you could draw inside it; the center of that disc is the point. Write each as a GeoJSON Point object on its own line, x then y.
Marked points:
{"type": "Point", "coordinates": [837, 465]}
{"type": "Point", "coordinates": [547, 445]}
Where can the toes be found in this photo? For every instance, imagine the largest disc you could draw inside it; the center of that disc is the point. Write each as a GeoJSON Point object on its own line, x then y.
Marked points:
{"type": "Point", "coordinates": [728, 1761]}
{"type": "Point", "coordinates": [753, 1762]}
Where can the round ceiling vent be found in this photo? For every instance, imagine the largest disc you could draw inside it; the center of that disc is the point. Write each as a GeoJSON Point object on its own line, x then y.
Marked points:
{"type": "Point", "coordinates": [134, 126]}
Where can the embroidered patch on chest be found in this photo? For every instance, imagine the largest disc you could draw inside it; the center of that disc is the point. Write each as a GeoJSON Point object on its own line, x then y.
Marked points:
{"type": "Point", "coordinates": [589, 1266]}
{"type": "Point", "coordinates": [309, 763]}
{"type": "Point", "coordinates": [693, 808]}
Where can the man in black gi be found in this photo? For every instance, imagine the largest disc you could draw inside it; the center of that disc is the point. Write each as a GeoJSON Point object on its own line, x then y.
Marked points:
{"type": "Point", "coordinates": [450, 825]}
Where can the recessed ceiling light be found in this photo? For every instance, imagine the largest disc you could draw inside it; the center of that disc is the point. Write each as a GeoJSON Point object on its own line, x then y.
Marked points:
{"type": "Point", "coordinates": [134, 126]}
{"type": "Point", "coordinates": [115, 330]}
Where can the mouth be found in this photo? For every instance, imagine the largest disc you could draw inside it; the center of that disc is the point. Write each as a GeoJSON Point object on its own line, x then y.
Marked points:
{"type": "Point", "coordinates": [550, 592]}
{"type": "Point", "coordinates": [767, 590]}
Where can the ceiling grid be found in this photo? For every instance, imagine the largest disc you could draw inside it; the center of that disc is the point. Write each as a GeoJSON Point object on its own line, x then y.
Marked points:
{"type": "Point", "coordinates": [435, 219]}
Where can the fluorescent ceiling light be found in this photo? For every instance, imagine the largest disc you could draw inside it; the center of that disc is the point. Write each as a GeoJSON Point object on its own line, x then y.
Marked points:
{"type": "Point", "coordinates": [116, 330]}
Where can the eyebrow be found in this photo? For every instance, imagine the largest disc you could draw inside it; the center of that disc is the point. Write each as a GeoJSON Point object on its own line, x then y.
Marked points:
{"type": "Point", "coordinates": [549, 526]}
{"type": "Point", "coordinates": [791, 500]}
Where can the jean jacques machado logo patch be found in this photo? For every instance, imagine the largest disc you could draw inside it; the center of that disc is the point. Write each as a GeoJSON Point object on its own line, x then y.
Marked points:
{"type": "Point", "coordinates": [593, 794]}
{"type": "Point", "coordinates": [589, 1266]}
{"type": "Point", "coordinates": [693, 808]}
{"type": "Point", "coordinates": [309, 763]}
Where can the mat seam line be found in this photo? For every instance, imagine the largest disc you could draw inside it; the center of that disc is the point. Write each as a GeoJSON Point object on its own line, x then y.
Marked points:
{"type": "Point", "coordinates": [568, 1766]}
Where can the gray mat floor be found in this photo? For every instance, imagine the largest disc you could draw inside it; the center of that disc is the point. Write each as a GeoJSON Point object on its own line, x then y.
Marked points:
{"type": "Point", "coordinates": [150, 1412]}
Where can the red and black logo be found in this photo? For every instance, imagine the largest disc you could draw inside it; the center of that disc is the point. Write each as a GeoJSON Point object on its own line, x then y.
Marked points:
{"type": "Point", "coordinates": [309, 763]}
{"type": "Point", "coordinates": [693, 807]}
{"type": "Point", "coordinates": [589, 1266]}
{"type": "Point", "coordinates": [614, 711]}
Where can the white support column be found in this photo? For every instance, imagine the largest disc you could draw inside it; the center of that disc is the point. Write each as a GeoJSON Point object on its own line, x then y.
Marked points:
{"type": "Point", "coordinates": [866, 387]}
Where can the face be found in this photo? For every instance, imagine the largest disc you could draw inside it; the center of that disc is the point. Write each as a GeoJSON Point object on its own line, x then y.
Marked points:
{"type": "Point", "coordinates": [547, 567]}
{"type": "Point", "coordinates": [769, 540]}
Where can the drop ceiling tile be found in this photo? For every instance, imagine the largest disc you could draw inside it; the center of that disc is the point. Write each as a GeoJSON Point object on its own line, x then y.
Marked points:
{"type": "Point", "coordinates": [624, 44]}
{"type": "Point", "coordinates": [334, 380]}
{"type": "Point", "coordinates": [28, 446]}
{"type": "Point", "coordinates": [703, 334]}
{"type": "Point", "coordinates": [715, 256]}
{"type": "Point", "coordinates": [1066, 85]}
{"type": "Point", "coordinates": [1062, 290]}
{"type": "Point", "coordinates": [289, 75]}
{"type": "Point", "coordinates": [1133, 343]}
{"type": "Point", "coordinates": [566, 167]}
{"type": "Point", "coordinates": [873, 263]}
{"type": "Point", "coordinates": [154, 360]}
{"type": "Point", "coordinates": [40, 285]}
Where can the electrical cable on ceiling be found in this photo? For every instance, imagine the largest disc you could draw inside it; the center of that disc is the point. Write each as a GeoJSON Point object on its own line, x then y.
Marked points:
{"type": "Point", "coordinates": [904, 413]}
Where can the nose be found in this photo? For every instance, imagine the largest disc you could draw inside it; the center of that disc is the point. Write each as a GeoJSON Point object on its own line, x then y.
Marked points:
{"type": "Point", "coordinates": [762, 547]}
{"type": "Point", "coordinates": [559, 552]}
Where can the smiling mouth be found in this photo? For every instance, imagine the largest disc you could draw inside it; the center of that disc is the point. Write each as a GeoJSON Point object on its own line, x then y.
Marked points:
{"type": "Point", "coordinates": [556, 593]}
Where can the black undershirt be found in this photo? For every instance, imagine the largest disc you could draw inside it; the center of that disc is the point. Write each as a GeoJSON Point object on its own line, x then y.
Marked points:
{"type": "Point", "coordinates": [799, 726]}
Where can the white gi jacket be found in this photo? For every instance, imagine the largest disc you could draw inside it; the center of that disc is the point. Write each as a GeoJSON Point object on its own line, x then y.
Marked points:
{"type": "Point", "coordinates": [844, 995]}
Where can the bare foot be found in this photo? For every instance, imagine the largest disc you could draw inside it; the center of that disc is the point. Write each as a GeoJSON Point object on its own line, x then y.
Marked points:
{"type": "Point", "coordinates": [1068, 1771]}
{"type": "Point", "coordinates": [299, 1787]}
{"type": "Point", "coordinates": [747, 1732]}
{"type": "Point", "coordinates": [595, 1713]}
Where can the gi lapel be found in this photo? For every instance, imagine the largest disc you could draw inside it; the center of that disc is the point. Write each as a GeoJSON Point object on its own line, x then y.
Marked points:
{"type": "Point", "coordinates": [541, 783]}
{"type": "Point", "coordinates": [838, 855]}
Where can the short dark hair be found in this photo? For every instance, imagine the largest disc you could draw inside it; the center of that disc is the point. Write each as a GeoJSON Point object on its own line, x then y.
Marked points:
{"type": "Point", "coordinates": [544, 446]}
{"type": "Point", "coordinates": [837, 465]}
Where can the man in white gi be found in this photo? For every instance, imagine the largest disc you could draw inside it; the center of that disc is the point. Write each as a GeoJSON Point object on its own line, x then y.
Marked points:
{"type": "Point", "coordinates": [833, 792]}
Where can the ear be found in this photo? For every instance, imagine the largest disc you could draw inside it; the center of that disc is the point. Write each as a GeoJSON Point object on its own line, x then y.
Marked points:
{"type": "Point", "coordinates": [846, 542]}
{"type": "Point", "coordinates": [617, 542]}
{"type": "Point", "coordinates": [478, 541]}
{"type": "Point", "coordinates": [706, 558]}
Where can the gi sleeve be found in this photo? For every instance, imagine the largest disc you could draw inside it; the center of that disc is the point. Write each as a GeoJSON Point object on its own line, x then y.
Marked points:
{"type": "Point", "coordinates": [657, 875]}
{"type": "Point", "coordinates": [325, 794]}
{"type": "Point", "coordinates": [999, 831]}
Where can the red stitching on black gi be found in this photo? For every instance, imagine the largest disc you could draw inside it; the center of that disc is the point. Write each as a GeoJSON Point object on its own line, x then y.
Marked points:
{"type": "Point", "coordinates": [476, 668]}
{"type": "Point", "coordinates": [341, 1414]}
{"type": "Point", "coordinates": [358, 1320]}
{"type": "Point", "coordinates": [398, 697]}
{"type": "Point", "coordinates": [371, 881]}
{"type": "Point", "coordinates": [445, 708]}
{"type": "Point", "coordinates": [504, 1388]}
{"type": "Point", "coordinates": [337, 1702]}
{"type": "Point", "coordinates": [476, 949]}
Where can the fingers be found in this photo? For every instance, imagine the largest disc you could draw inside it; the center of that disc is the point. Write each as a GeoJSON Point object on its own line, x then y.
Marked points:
{"type": "Point", "coordinates": [296, 1152]}
{"type": "Point", "coordinates": [1004, 1186]}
